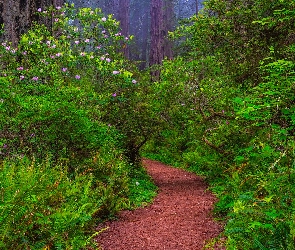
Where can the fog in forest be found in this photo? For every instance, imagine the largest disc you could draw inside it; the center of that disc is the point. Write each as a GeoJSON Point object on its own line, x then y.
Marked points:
{"type": "Point", "coordinates": [136, 15]}
{"type": "Point", "coordinates": [147, 21]}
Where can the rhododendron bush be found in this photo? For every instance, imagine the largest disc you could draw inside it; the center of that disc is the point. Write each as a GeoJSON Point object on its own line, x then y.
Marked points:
{"type": "Point", "coordinates": [62, 135]}
{"type": "Point", "coordinates": [59, 82]}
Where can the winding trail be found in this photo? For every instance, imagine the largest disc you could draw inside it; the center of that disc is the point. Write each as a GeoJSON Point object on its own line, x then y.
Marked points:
{"type": "Point", "coordinates": [179, 218]}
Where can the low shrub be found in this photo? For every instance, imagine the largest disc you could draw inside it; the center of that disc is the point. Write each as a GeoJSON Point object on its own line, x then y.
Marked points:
{"type": "Point", "coordinates": [41, 207]}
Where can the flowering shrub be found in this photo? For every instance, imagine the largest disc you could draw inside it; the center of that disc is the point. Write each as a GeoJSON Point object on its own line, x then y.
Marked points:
{"type": "Point", "coordinates": [57, 83]}
{"type": "Point", "coordinates": [62, 91]}
{"type": "Point", "coordinates": [81, 56]}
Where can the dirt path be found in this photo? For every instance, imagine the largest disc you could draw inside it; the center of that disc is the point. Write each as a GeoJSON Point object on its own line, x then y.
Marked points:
{"type": "Point", "coordinates": [178, 219]}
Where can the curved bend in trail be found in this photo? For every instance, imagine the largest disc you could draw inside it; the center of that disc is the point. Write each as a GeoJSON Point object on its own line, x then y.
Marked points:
{"type": "Point", "coordinates": [178, 219]}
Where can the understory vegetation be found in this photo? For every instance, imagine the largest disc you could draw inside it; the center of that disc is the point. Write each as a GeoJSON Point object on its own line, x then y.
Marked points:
{"type": "Point", "coordinates": [230, 94]}
{"type": "Point", "coordinates": [75, 116]}
{"type": "Point", "coordinates": [66, 162]}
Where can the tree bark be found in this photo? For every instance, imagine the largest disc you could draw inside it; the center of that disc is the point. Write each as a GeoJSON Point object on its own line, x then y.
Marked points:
{"type": "Point", "coordinates": [156, 51]}
{"type": "Point", "coordinates": [140, 28]}
{"type": "Point", "coordinates": [17, 16]}
{"type": "Point", "coordinates": [168, 25]}
{"type": "Point", "coordinates": [162, 21]}
{"type": "Point", "coordinates": [110, 7]}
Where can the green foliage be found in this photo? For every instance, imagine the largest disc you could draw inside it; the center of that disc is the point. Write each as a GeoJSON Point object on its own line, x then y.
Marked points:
{"type": "Point", "coordinates": [61, 84]}
{"type": "Point", "coordinates": [55, 87]}
{"type": "Point", "coordinates": [67, 95]}
{"type": "Point", "coordinates": [230, 115]}
{"type": "Point", "coordinates": [142, 189]}
{"type": "Point", "coordinates": [41, 207]}
{"type": "Point", "coordinates": [49, 122]}
{"type": "Point", "coordinates": [223, 108]}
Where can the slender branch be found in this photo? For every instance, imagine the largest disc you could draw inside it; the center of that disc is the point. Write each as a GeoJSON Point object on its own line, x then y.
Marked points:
{"type": "Point", "coordinates": [219, 114]}
{"type": "Point", "coordinates": [210, 144]}
{"type": "Point", "coordinates": [214, 114]}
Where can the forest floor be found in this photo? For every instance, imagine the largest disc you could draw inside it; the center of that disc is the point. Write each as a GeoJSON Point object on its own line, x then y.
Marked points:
{"type": "Point", "coordinates": [180, 218]}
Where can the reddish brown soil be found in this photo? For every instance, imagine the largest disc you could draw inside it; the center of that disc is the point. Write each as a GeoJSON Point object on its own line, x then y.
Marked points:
{"type": "Point", "coordinates": [179, 218]}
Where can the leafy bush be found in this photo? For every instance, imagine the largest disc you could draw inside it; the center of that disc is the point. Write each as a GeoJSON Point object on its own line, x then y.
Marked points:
{"type": "Point", "coordinates": [232, 116]}
{"type": "Point", "coordinates": [72, 77]}
{"type": "Point", "coordinates": [62, 83]}
{"type": "Point", "coordinates": [42, 207]}
{"type": "Point", "coordinates": [51, 122]}
{"type": "Point", "coordinates": [62, 91]}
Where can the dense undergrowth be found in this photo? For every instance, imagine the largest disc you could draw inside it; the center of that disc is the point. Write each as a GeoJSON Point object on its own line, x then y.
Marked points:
{"type": "Point", "coordinates": [65, 161]}
{"type": "Point", "coordinates": [75, 114]}
{"type": "Point", "coordinates": [231, 116]}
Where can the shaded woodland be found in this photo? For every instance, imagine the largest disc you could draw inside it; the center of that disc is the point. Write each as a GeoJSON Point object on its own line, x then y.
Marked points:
{"type": "Point", "coordinates": [148, 21]}
{"type": "Point", "coordinates": [78, 113]}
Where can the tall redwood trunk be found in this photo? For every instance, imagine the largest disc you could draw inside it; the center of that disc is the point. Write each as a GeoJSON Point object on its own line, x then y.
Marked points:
{"type": "Point", "coordinates": [18, 15]}
{"type": "Point", "coordinates": [156, 51]}
{"type": "Point", "coordinates": [140, 28]}
{"type": "Point", "coordinates": [168, 23]}
{"type": "Point", "coordinates": [162, 21]}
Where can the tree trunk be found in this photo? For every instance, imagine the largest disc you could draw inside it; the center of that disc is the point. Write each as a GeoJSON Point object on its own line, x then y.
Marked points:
{"type": "Point", "coordinates": [109, 7]}
{"type": "Point", "coordinates": [140, 28]}
{"type": "Point", "coordinates": [156, 52]}
{"type": "Point", "coordinates": [168, 23]}
{"type": "Point", "coordinates": [18, 15]}
{"type": "Point", "coordinates": [162, 18]}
